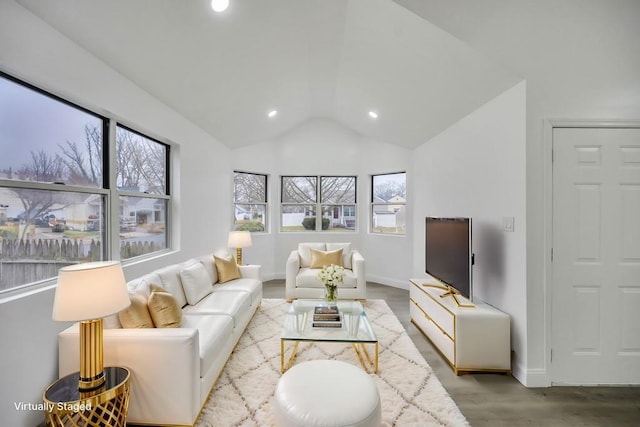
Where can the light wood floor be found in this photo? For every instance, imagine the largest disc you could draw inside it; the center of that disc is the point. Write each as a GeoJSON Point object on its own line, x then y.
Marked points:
{"type": "Point", "coordinates": [500, 400]}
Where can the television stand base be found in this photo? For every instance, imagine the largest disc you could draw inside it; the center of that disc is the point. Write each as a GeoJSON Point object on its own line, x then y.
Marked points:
{"type": "Point", "coordinates": [470, 340]}
{"type": "Point", "coordinates": [450, 292]}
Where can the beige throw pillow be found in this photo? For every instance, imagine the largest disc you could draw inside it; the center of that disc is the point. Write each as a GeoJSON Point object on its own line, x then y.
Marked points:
{"type": "Point", "coordinates": [321, 259]}
{"type": "Point", "coordinates": [137, 314]}
{"type": "Point", "coordinates": [227, 269]}
{"type": "Point", "coordinates": [164, 308]}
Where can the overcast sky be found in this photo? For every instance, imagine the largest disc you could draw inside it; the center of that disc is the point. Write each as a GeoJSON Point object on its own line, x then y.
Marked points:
{"type": "Point", "coordinates": [30, 121]}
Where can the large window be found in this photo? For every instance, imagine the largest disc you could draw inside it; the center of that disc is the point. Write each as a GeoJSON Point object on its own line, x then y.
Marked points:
{"type": "Point", "coordinates": [249, 201]}
{"type": "Point", "coordinates": [57, 180]}
{"type": "Point", "coordinates": [141, 179]}
{"type": "Point", "coordinates": [388, 203]}
{"type": "Point", "coordinates": [303, 196]}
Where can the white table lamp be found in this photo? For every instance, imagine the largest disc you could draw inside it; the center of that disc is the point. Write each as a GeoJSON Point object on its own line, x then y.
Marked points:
{"type": "Point", "coordinates": [88, 292]}
{"type": "Point", "coordinates": [239, 240]}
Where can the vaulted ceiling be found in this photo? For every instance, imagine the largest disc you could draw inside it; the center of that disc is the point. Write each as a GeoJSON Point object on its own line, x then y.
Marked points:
{"type": "Point", "coordinates": [335, 59]}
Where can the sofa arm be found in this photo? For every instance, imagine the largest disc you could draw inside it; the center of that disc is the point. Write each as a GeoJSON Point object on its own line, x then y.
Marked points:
{"type": "Point", "coordinates": [358, 266]}
{"type": "Point", "coordinates": [292, 269]}
{"type": "Point", "coordinates": [249, 271]}
{"type": "Point", "coordinates": [164, 366]}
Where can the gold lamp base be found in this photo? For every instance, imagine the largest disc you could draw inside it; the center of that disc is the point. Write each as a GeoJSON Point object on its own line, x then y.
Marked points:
{"type": "Point", "coordinates": [91, 356]}
{"type": "Point", "coordinates": [239, 256]}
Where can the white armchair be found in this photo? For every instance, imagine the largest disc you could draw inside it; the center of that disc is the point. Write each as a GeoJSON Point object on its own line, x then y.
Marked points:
{"type": "Point", "coordinates": [302, 281]}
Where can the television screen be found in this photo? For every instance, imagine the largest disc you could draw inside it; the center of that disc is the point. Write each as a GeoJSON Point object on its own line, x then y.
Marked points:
{"type": "Point", "coordinates": [448, 252]}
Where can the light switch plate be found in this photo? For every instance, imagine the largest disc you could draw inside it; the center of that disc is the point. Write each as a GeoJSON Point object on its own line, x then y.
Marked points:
{"type": "Point", "coordinates": [508, 223]}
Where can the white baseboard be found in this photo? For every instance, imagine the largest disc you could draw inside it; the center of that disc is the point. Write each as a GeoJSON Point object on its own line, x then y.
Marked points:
{"type": "Point", "coordinates": [388, 281]}
{"type": "Point", "coordinates": [271, 276]}
{"type": "Point", "coordinates": [532, 378]}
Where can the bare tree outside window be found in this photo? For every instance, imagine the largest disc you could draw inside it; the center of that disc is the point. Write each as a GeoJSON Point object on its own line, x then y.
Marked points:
{"type": "Point", "coordinates": [388, 203]}
{"type": "Point", "coordinates": [52, 190]}
{"type": "Point", "coordinates": [140, 163]}
{"type": "Point", "coordinates": [336, 202]}
{"type": "Point", "coordinates": [250, 201]}
{"type": "Point", "coordinates": [84, 161]}
{"type": "Point", "coordinates": [299, 189]}
{"type": "Point", "coordinates": [141, 171]}
{"type": "Point", "coordinates": [51, 196]}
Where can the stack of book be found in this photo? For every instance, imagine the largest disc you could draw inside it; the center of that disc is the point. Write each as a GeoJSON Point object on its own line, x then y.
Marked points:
{"type": "Point", "coordinates": [327, 316]}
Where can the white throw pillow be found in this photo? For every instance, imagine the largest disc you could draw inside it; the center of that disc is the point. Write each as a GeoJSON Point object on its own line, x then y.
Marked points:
{"type": "Point", "coordinates": [170, 281]}
{"type": "Point", "coordinates": [346, 252]}
{"type": "Point", "coordinates": [209, 265]}
{"type": "Point", "coordinates": [305, 253]}
{"type": "Point", "coordinates": [196, 282]}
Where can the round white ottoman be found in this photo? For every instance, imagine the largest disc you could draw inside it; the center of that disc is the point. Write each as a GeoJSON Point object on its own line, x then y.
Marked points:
{"type": "Point", "coordinates": [326, 393]}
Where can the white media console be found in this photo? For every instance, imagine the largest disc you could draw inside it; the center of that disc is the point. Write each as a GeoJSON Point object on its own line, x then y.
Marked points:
{"type": "Point", "coordinates": [472, 337]}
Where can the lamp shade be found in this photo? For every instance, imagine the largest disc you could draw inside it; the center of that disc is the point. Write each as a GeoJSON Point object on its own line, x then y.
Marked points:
{"type": "Point", "coordinates": [239, 239]}
{"type": "Point", "coordinates": [90, 291]}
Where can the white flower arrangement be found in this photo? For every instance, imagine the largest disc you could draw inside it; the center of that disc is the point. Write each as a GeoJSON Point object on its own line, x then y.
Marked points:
{"type": "Point", "coordinates": [331, 275]}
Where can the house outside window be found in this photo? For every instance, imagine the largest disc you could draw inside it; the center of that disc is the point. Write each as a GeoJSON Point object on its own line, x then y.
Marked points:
{"type": "Point", "coordinates": [303, 196]}
{"type": "Point", "coordinates": [249, 201]}
{"type": "Point", "coordinates": [388, 203]}
{"type": "Point", "coordinates": [55, 186]}
{"type": "Point", "coordinates": [141, 165]}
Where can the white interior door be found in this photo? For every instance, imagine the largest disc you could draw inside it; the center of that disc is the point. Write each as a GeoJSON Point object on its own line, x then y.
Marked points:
{"type": "Point", "coordinates": [596, 256]}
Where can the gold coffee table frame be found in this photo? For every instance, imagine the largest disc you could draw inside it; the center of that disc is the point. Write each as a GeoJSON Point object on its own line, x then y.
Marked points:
{"type": "Point", "coordinates": [356, 330]}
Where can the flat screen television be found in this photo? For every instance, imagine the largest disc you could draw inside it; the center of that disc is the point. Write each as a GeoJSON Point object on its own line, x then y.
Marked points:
{"type": "Point", "coordinates": [448, 253]}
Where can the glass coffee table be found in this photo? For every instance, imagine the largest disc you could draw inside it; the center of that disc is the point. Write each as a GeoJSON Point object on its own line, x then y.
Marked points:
{"type": "Point", "coordinates": [355, 328]}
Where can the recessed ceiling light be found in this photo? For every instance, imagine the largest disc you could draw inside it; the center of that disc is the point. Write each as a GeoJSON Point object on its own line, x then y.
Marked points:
{"type": "Point", "coordinates": [219, 5]}
{"type": "Point", "coordinates": [373, 114]}
{"type": "Point", "coordinates": [272, 113]}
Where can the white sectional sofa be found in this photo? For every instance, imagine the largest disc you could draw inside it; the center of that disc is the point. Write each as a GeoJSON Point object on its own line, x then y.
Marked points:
{"type": "Point", "coordinates": [301, 281]}
{"type": "Point", "coordinates": [174, 369]}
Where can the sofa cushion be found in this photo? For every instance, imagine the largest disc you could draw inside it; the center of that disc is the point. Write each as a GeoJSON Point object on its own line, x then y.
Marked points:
{"type": "Point", "coordinates": [321, 259]}
{"type": "Point", "coordinates": [251, 286]}
{"type": "Point", "coordinates": [164, 309]}
{"type": "Point", "coordinates": [196, 282]}
{"type": "Point", "coordinates": [210, 266]}
{"type": "Point", "coordinates": [170, 277]}
{"type": "Point", "coordinates": [213, 331]}
{"type": "Point", "coordinates": [305, 253]}
{"type": "Point", "coordinates": [227, 268]}
{"type": "Point", "coordinates": [233, 304]}
{"type": "Point", "coordinates": [137, 314]}
{"type": "Point", "coordinates": [141, 285]}
{"type": "Point", "coordinates": [308, 278]}
{"type": "Point", "coordinates": [112, 322]}
{"type": "Point", "coordinates": [346, 252]}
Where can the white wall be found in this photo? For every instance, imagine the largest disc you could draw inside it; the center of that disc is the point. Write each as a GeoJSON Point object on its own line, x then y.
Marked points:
{"type": "Point", "coordinates": [580, 59]}
{"type": "Point", "coordinates": [33, 51]}
{"type": "Point", "coordinates": [476, 169]}
{"type": "Point", "coordinates": [324, 147]}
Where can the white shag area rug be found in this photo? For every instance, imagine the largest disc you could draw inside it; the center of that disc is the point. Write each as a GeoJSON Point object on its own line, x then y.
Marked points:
{"type": "Point", "coordinates": [410, 393]}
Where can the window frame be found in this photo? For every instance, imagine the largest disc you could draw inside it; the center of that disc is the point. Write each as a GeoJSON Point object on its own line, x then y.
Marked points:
{"type": "Point", "coordinates": [110, 238]}
{"type": "Point", "coordinates": [318, 203]}
{"type": "Point", "coordinates": [374, 204]}
{"type": "Point", "coordinates": [115, 215]}
{"type": "Point", "coordinates": [264, 203]}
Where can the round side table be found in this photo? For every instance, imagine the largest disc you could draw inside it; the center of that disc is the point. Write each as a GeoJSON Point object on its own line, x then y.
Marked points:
{"type": "Point", "coordinates": [65, 405]}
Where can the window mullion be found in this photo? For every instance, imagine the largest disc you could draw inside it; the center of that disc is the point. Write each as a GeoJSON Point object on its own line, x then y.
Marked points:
{"type": "Point", "coordinates": [34, 185]}
{"type": "Point", "coordinates": [113, 215]}
{"type": "Point", "coordinates": [319, 200]}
